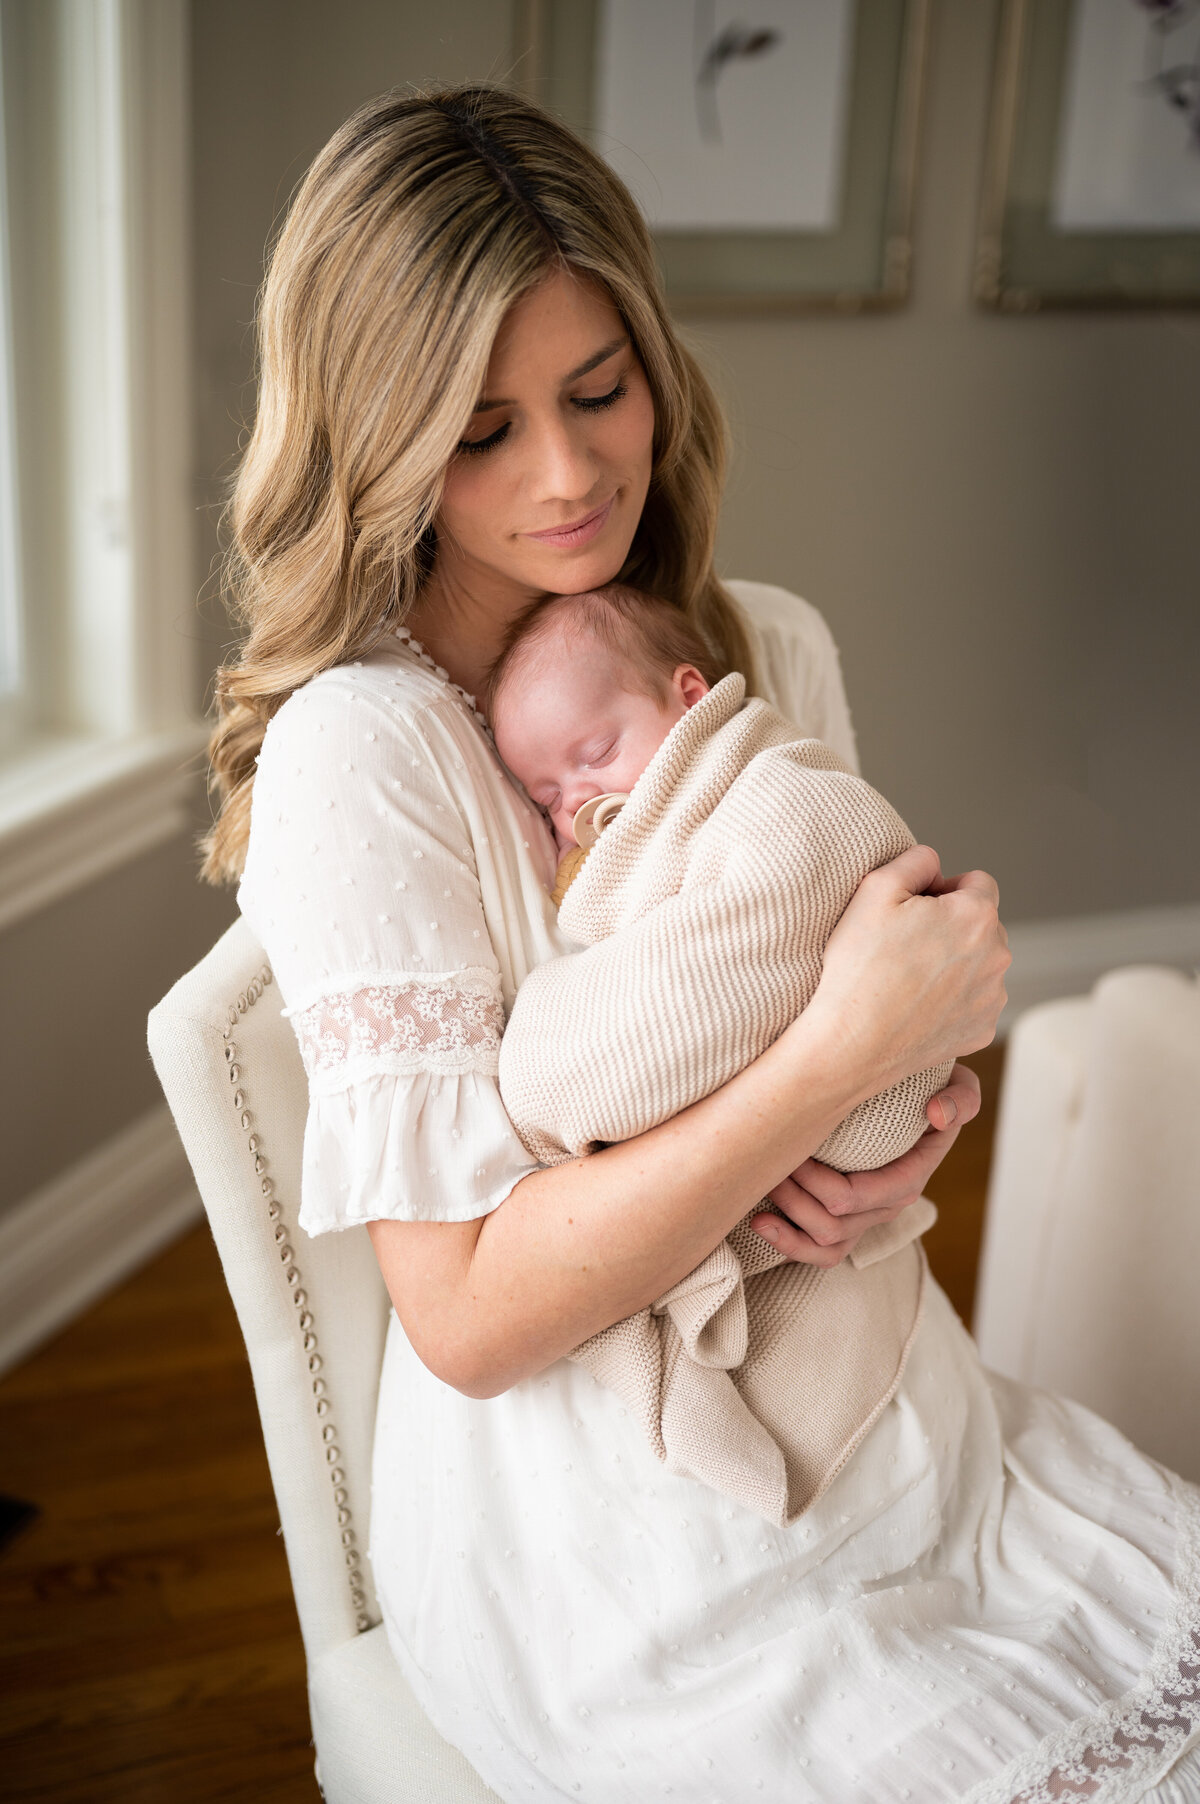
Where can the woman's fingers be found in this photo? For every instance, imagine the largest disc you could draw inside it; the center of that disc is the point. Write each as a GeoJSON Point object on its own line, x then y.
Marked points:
{"type": "Point", "coordinates": [811, 1233]}
{"type": "Point", "coordinates": [915, 872]}
{"type": "Point", "coordinates": [797, 1246]}
{"type": "Point", "coordinates": [980, 883]}
{"type": "Point", "coordinates": [958, 1103]}
{"type": "Point", "coordinates": [893, 1186]}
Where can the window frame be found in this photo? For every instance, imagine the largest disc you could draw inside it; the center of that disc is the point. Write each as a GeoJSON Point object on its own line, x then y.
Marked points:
{"type": "Point", "coordinates": [96, 122]}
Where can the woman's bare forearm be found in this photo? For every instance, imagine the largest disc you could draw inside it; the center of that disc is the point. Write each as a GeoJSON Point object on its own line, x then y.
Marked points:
{"type": "Point", "coordinates": [579, 1246]}
{"type": "Point", "coordinates": [913, 975]}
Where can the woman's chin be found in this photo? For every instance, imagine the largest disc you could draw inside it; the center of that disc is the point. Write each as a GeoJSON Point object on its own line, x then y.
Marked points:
{"type": "Point", "coordinates": [570, 573]}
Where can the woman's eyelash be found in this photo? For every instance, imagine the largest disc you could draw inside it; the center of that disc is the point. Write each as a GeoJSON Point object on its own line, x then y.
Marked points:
{"type": "Point", "coordinates": [587, 404]}
{"type": "Point", "coordinates": [485, 444]}
{"type": "Point", "coordinates": [597, 402]}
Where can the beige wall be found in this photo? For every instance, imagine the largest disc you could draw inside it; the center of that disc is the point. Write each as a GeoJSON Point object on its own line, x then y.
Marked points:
{"type": "Point", "coordinates": [994, 514]}
{"type": "Point", "coordinates": [271, 80]}
{"type": "Point", "coordinates": [78, 980]}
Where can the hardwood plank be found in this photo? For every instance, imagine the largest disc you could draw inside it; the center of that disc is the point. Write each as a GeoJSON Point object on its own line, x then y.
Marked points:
{"type": "Point", "coordinates": [959, 1188]}
{"type": "Point", "coordinates": [149, 1649]}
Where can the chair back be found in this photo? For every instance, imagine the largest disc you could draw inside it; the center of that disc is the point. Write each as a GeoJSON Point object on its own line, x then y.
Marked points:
{"type": "Point", "coordinates": [313, 1312]}
{"type": "Point", "coordinates": [1092, 1251]}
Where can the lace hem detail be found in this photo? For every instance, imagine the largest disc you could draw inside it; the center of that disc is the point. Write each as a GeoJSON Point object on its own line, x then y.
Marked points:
{"type": "Point", "coordinates": [1112, 1756]}
{"type": "Point", "coordinates": [449, 1023]}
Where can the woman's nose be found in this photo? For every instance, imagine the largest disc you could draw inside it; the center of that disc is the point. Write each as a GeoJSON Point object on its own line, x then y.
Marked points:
{"type": "Point", "coordinates": [563, 468]}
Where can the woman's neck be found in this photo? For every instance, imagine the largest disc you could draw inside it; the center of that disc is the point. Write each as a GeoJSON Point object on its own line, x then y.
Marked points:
{"type": "Point", "coordinates": [463, 627]}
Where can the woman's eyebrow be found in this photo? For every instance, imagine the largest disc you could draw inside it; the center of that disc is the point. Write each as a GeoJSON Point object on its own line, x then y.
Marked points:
{"type": "Point", "coordinates": [585, 369]}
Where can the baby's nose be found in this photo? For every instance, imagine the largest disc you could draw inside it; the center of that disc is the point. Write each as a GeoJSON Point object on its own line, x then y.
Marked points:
{"type": "Point", "coordinates": [575, 794]}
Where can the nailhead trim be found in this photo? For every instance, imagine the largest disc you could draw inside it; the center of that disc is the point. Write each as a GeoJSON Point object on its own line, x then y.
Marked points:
{"type": "Point", "coordinates": [304, 1318]}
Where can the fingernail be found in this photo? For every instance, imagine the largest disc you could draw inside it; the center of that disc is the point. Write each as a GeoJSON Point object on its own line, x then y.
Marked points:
{"type": "Point", "coordinates": [949, 1110]}
{"type": "Point", "coordinates": [769, 1231]}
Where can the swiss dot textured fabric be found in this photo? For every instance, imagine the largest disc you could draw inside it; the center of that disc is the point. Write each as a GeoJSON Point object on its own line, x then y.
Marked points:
{"type": "Point", "coordinates": [364, 881]}
{"type": "Point", "coordinates": [997, 1601]}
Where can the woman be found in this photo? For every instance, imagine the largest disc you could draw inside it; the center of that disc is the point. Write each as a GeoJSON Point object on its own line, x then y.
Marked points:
{"type": "Point", "coordinates": [470, 396]}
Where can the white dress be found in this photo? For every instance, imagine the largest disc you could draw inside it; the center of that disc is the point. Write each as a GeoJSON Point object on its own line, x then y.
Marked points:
{"type": "Point", "coordinates": [998, 1599]}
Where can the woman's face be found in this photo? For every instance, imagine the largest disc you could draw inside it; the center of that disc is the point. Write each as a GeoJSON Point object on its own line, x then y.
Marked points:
{"type": "Point", "coordinates": [546, 490]}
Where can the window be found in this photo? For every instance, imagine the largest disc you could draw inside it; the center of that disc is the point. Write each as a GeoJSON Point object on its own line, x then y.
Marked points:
{"type": "Point", "coordinates": [98, 721]}
{"type": "Point", "coordinates": [11, 663]}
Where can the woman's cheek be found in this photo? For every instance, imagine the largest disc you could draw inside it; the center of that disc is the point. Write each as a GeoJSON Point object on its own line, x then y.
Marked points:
{"type": "Point", "coordinates": [636, 427]}
{"type": "Point", "coordinates": [470, 507]}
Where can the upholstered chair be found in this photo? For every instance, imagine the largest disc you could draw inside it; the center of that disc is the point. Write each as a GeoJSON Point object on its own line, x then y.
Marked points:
{"type": "Point", "coordinates": [314, 1314]}
{"type": "Point", "coordinates": [1091, 1262]}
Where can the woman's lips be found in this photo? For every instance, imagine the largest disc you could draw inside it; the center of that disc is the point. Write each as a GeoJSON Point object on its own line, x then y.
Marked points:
{"type": "Point", "coordinates": [567, 537]}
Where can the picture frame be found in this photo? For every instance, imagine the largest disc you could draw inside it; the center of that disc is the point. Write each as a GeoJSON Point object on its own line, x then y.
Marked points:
{"type": "Point", "coordinates": [1061, 226]}
{"type": "Point", "coordinates": [859, 257]}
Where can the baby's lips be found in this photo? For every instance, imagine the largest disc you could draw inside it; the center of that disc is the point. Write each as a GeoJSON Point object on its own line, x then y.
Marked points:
{"type": "Point", "coordinates": [593, 817]}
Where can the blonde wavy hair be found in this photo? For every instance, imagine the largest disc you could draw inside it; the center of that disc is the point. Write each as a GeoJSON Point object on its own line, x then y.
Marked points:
{"type": "Point", "coordinates": [417, 227]}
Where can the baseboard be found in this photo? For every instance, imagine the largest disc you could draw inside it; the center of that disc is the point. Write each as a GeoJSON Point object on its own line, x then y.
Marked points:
{"type": "Point", "coordinates": [71, 1241]}
{"type": "Point", "coordinates": [1065, 957]}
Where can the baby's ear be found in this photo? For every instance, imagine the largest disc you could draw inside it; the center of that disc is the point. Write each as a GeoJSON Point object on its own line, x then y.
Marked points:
{"type": "Point", "coordinates": [689, 685]}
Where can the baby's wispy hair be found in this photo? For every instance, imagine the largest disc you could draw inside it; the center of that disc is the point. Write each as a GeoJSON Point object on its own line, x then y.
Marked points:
{"type": "Point", "coordinates": [650, 636]}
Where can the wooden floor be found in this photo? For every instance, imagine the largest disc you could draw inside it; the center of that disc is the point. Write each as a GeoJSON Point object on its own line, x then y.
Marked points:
{"type": "Point", "coordinates": [149, 1651]}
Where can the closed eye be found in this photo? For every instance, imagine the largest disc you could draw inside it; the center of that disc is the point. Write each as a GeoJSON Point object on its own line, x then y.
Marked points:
{"type": "Point", "coordinates": [595, 403]}
{"type": "Point", "coordinates": [585, 404]}
{"type": "Point", "coordinates": [485, 444]}
{"type": "Point", "coordinates": [603, 754]}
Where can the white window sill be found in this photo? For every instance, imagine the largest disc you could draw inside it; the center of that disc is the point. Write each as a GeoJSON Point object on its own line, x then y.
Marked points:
{"type": "Point", "coordinates": [73, 809]}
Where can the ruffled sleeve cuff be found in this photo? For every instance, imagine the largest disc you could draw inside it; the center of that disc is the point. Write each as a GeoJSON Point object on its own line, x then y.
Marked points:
{"type": "Point", "coordinates": [426, 1146]}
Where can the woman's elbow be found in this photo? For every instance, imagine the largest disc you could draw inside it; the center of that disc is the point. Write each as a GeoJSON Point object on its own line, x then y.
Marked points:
{"type": "Point", "coordinates": [467, 1363]}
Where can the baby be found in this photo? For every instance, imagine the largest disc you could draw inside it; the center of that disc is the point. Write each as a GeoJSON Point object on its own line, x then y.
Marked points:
{"type": "Point", "coordinates": [583, 694]}
{"type": "Point", "coordinates": [721, 849]}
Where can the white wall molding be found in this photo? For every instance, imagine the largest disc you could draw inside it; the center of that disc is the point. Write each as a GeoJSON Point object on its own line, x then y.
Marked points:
{"type": "Point", "coordinates": [74, 1239]}
{"type": "Point", "coordinates": [74, 809]}
{"type": "Point", "coordinates": [96, 97]}
{"type": "Point", "coordinates": [1065, 957]}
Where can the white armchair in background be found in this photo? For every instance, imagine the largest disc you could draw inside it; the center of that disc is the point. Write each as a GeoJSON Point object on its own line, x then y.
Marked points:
{"type": "Point", "coordinates": [1089, 1282]}
{"type": "Point", "coordinates": [314, 1314]}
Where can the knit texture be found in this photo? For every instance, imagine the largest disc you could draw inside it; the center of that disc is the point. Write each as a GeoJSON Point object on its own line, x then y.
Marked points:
{"type": "Point", "coordinates": [704, 910]}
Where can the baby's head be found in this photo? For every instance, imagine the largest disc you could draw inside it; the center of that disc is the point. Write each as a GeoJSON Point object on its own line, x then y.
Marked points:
{"type": "Point", "coordinates": [585, 690]}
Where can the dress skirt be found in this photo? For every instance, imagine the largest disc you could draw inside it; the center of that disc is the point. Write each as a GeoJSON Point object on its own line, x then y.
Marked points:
{"type": "Point", "coordinates": [998, 1600]}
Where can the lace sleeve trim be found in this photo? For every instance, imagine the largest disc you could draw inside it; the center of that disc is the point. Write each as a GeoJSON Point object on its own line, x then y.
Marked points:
{"type": "Point", "coordinates": [449, 1023]}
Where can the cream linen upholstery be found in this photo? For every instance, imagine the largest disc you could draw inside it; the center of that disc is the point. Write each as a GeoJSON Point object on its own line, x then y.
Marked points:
{"type": "Point", "coordinates": [1091, 1261]}
{"type": "Point", "coordinates": [314, 1315]}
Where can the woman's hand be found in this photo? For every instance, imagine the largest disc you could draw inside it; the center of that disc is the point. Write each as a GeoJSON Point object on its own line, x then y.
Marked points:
{"type": "Point", "coordinates": [914, 970]}
{"type": "Point", "coordinates": [829, 1211]}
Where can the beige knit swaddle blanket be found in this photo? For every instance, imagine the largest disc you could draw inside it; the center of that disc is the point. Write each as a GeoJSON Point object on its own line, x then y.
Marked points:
{"type": "Point", "coordinates": [704, 910]}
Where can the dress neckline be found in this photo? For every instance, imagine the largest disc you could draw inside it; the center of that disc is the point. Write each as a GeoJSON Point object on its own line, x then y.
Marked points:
{"type": "Point", "coordinates": [439, 670]}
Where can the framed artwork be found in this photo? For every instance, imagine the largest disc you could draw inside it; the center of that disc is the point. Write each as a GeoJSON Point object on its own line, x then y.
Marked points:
{"type": "Point", "coordinates": [772, 147]}
{"type": "Point", "coordinates": [1092, 190]}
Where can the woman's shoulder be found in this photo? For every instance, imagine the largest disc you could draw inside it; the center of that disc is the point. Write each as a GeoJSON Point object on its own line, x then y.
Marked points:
{"type": "Point", "coordinates": [798, 665]}
{"type": "Point", "coordinates": [770, 605]}
{"type": "Point", "coordinates": [379, 738]}
{"type": "Point", "coordinates": [387, 683]}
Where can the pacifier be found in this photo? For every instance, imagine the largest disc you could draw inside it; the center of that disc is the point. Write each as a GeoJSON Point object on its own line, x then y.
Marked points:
{"type": "Point", "coordinates": [591, 820]}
